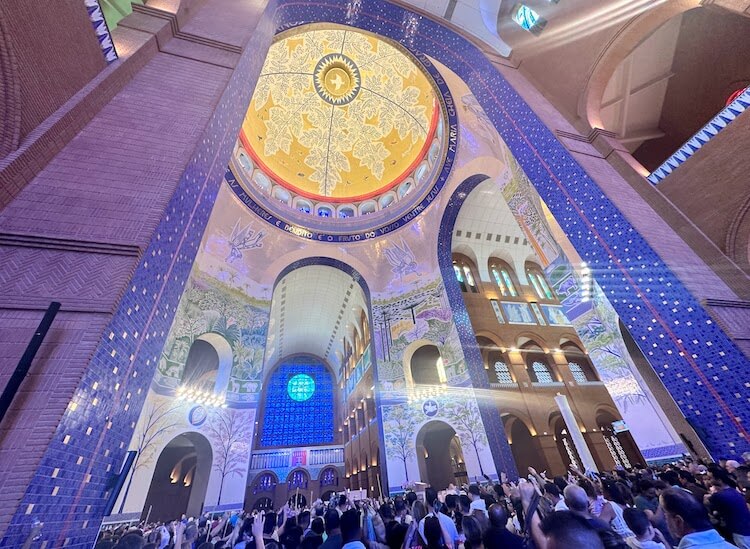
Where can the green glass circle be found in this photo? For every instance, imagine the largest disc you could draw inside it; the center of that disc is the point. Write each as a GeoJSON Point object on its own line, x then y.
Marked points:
{"type": "Point", "coordinates": [301, 387]}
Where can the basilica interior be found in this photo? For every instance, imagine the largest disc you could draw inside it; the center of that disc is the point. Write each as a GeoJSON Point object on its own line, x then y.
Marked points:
{"type": "Point", "coordinates": [282, 250]}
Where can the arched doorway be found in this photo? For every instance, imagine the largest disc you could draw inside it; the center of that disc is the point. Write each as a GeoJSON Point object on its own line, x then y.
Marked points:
{"type": "Point", "coordinates": [208, 364]}
{"type": "Point", "coordinates": [180, 478]}
{"type": "Point", "coordinates": [522, 444]}
{"type": "Point", "coordinates": [427, 366]}
{"type": "Point", "coordinates": [437, 467]}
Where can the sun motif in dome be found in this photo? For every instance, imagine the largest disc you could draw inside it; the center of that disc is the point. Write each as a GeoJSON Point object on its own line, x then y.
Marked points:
{"type": "Point", "coordinates": [336, 79]}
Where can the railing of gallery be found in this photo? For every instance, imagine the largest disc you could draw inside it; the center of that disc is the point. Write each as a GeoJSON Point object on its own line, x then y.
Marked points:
{"type": "Point", "coordinates": [275, 459]}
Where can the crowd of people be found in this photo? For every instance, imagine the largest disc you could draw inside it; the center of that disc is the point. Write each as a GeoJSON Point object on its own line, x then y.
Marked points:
{"type": "Point", "coordinates": [688, 504]}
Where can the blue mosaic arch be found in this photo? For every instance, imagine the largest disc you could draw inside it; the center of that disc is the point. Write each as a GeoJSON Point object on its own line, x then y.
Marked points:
{"type": "Point", "coordinates": [355, 274]}
{"type": "Point", "coordinates": [698, 363]}
{"type": "Point", "coordinates": [493, 423]}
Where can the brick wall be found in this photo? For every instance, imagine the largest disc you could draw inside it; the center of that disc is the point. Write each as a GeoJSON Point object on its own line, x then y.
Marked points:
{"type": "Point", "coordinates": [76, 231]}
{"type": "Point", "coordinates": [55, 54]}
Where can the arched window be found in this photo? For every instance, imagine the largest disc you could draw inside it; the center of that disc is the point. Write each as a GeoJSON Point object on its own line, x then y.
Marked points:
{"type": "Point", "coordinates": [465, 275]}
{"type": "Point", "coordinates": [265, 483]}
{"type": "Point", "coordinates": [579, 364]}
{"type": "Point", "coordinates": [297, 479]}
{"type": "Point", "coordinates": [538, 282]}
{"type": "Point", "coordinates": [329, 477]}
{"type": "Point", "coordinates": [537, 364]}
{"type": "Point", "coordinates": [502, 372]}
{"type": "Point", "coordinates": [502, 275]}
{"type": "Point", "coordinates": [299, 389]}
{"type": "Point", "coordinates": [578, 375]}
{"type": "Point", "coordinates": [541, 372]}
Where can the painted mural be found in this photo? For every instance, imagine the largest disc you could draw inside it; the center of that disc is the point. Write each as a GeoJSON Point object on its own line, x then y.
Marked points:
{"type": "Point", "coordinates": [227, 302]}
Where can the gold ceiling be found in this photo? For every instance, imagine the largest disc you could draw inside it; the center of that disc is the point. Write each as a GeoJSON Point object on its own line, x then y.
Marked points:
{"type": "Point", "coordinates": [339, 115]}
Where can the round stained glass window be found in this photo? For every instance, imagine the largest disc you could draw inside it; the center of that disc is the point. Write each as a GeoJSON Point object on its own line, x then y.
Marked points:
{"type": "Point", "coordinates": [301, 387]}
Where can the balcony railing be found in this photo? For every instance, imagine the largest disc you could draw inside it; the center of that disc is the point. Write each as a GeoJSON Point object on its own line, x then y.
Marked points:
{"type": "Point", "coordinates": [287, 458]}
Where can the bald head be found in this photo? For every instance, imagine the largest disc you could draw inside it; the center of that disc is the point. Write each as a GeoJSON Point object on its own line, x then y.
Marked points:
{"type": "Point", "coordinates": [576, 498]}
{"type": "Point", "coordinates": [498, 515]}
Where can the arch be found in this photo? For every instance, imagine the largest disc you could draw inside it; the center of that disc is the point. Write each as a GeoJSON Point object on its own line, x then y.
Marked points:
{"type": "Point", "coordinates": [503, 276]}
{"type": "Point", "coordinates": [619, 47]}
{"type": "Point", "coordinates": [579, 363]}
{"type": "Point", "coordinates": [425, 366]}
{"type": "Point", "coordinates": [208, 364]}
{"type": "Point", "coordinates": [565, 445]}
{"type": "Point", "coordinates": [531, 339]}
{"type": "Point", "coordinates": [620, 443]}
{"type": "Point", "coordinates": [436, 466]}
{"type": "Point", "coordinates": [263, 504]}
{"type": "Point", "coordinates": [180, 478]}
{"type": "Point", "coordinates": [538, 281]}
{"type": "Point", "coordinates": [737, 242]}
{"type": "Point", "coordinates": [329, 476]}
{"type": "Point", "coordinates": [497, 441]}
{"type": "Point", "coordinates": [265, 481]}
{"type": "Point", "coordinates": [467, 273]}
{"type": "Point", "coordinates": [525, 450]}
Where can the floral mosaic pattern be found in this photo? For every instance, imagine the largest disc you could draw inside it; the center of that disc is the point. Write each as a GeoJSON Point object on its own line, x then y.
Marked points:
{"type": "Point", "coordinates": [339, 150]}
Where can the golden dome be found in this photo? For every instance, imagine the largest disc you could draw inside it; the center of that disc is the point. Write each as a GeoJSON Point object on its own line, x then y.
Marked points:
{"type": "Point", "coordinates": [339, 114]}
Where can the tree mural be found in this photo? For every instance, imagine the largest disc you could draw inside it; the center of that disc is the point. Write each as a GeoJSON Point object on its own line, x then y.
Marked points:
{"type": "Point", "coordinates": [156, 422]}
{"type": "Point", "coordinates": [230, 433]}
{"type": "Point", "coordinates": [465, 419]}
{"type": "Point", "coordinates": [399, 435]}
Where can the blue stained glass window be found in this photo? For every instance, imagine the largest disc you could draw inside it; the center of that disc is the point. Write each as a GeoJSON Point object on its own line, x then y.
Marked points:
{"type": "Point", "coordinates": [525, 17]}
{"type": "Point", "coordinates": [299, 405]}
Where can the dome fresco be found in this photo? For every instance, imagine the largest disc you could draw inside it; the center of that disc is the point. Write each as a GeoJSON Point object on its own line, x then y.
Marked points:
{"type": "Point", "coordinates": [339, 115]}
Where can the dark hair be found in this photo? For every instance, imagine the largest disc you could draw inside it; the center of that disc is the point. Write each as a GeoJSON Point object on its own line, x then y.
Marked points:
{"type": "Point", "coordinates": [464, 502]}
{"type": "Point", "coordinates": [433, 533]}
{"type": "Point", "coordinates": [131, 540]}
{"type": "Point", "coordinates": [311, 542]}
{"type": "Point", "coordinates": [679, 502]}
{"type": "Point", "coordinates": [269, 523]}
{"type": "Point", "coordinates": [303, 518]}
{"type": "Point", "coordinates": [386, 511]}
{"type": "Point", "coordinates": [400, 505]}
{"type": "Point", "coordinates": [451, 501]}
{"type": "Point", "coordinates": [472, 532]}
{"type": "Point", "coordinates": [342, 500]}
{"type": "Point", "coordinates": [614, 492]}
{"type": "Point", "coordinates": [498, 515]}
{"type": "Point", "coordinates": [560, 482]}
{"type": "Point", "coordinates": [636, 520]}
{"type": "Point", "coordinates": [430, 496]}
{"type": "Point", "coordinates": [570, 530]}
{"type": "Point", "coordinates": [723, 476]}
{"type": "Point", "coordinates": [686, 475]}
{"type": "Point", "coordinates": [317, 526]}
{"type": "Point", "coordinates": [670, 477]}
{"type": "Point", "coordinates": [552, 489]}
{"type": "Point", "coordinates": [350, 528]}
{"type": "Point", "coordinates": [474, 490]}
{"type": "Point", "coordinates": [332, 520]}
{"type": "Point", "coordinates": [645, 484]}
{"type": "Point", "coordinates": [411, 497]}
